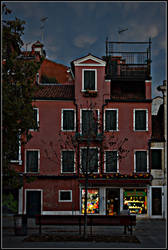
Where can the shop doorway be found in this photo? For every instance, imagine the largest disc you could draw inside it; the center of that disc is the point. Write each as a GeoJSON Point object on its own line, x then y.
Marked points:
{"type": "Point", "coordinates": [157, 201]}
{"type": "Point", "coordinates": [112, 201]}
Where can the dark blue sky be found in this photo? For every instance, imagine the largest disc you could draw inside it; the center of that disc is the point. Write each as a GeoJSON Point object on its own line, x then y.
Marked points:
{"type": "Point", "coordinates": [74, 29]}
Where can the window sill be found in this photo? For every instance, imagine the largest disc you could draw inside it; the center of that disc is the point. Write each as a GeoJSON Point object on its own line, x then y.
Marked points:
{"type": "Point", "coordinates": [16, 162]}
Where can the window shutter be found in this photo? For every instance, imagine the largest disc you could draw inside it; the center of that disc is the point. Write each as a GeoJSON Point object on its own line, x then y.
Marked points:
{"type": "Point", "coordinates": [32, 161]}
{"type": "Point", "coordinates": [92, 160]}
{"type": "Point", "coordinates": [140, 120]}
{"type": "Point", "coordinates": [35, 118]}
{"type": "Point", "coordinates": [89, 123]}
{"type": "Point", "coordinates": [111, 120]}
{"type": "Point", "coordinates": [89, 80]}
{"type": "Point", "coordinates": [68, 120]}
{"type": "Point", "coordinates": [156, 159]}
{"type": "Point", "coordinates": [67, 161]}
{"type": "Point", "coordinates": [141, 161]}
{"type": "Point", "coordinates": [111, 161]}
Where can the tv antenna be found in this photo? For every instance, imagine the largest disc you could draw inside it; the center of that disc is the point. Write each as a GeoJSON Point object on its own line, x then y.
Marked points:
{"type": "Point", "coordinates": [42, 27]}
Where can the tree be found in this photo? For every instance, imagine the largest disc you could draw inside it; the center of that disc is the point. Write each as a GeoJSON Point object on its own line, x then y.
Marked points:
{"type": "Point", "coordinates": [87, 144]}
{"type": "Point", "coordinates": [18, 88]}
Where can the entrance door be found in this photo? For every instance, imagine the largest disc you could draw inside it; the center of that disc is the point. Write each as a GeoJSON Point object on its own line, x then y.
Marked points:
{"type": "Point", "coordinates": [156, 201]}
{"type": "Point", "coordinates": [33, 203]}
{"type": "Point", "coordinates": [112, 201]}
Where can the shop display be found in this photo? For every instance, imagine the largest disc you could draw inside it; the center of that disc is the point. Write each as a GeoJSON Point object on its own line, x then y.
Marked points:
{"type": "Point", "coordinates": [136, 201]}
{"type": "Point", "coordinates": [92, 201]}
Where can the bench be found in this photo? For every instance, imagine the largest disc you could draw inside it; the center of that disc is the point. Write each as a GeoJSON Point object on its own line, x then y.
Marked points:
{"type": "Point", "coordinates": [92, 220]}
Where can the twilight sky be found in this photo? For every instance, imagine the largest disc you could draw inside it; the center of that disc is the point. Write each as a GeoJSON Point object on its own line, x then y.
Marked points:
{"type": "Point", "coordinates": [75, 28]}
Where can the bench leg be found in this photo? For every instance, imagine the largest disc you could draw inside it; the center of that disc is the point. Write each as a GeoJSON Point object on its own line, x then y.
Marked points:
{"type": "Point", "coordinates": [125, 229]}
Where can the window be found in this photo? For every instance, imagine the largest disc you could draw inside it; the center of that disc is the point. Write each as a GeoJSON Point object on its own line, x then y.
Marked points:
{"type": "Point", "coordinates": [89, 122]}
{"type": "Point", "coordinates": [65, 195]}
{"type": "Point", "coordinates": [32, 158]}
{"type": "Point", "coordinates": [111, 119]}
{"type": "Point", "coordinates": [156, 158]}
{"type": "Point", "coordinates": [36, 118]}
{"type": "Point", "coordinates": [141, 161]}
{"type": "Point", "coordinates": [141, 120]}
{"type": "Point", "coordinates": [89, 79]}
{"type": "Point", "coordinates": [111, 161]}
{"type": "Point", "coordinates": [16, 150]}
{"type": "Point", "coordinates": [68, 161]}
{"type": "Point", "coordinates": [68, 120]}
{"type": "Point", "coordinates": [91, 159]}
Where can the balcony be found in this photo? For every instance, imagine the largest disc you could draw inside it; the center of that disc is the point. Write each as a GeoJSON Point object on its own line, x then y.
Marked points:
{"type": "Point", "coordinates": [128, 60]}
{"type": "Point", "coordinates": [89, 137]}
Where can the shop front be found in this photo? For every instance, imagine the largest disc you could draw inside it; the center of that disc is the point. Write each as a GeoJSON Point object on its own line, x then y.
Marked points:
{"type": "Point", "coordinates": [111, 200]}
{"type": "Point", "coordinates": [136, 199]}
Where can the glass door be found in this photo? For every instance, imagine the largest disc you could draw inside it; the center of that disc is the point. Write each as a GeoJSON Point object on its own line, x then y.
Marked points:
{"type": "Point", "coordinates": [112, 201]}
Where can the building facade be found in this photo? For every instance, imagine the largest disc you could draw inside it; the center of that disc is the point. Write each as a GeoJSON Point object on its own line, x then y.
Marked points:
{"type": "Point", "coordinates": [94, 123]}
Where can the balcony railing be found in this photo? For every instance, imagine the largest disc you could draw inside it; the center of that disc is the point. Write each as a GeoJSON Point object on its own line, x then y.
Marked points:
{"type": "Point", "coordinates": [126, 60]}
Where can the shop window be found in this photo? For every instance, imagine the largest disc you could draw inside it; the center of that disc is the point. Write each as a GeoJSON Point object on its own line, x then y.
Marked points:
{"type": "Point", "coordinates": [140, 120]}
{"type": "Point", "coordinates": [136, 199]}
{"type": "Point", "coordinates": [141, 161]}
{"type": "Point", "coordinates": [65, 195]}
{"type": "Point", "coordinates": [32, 158]}
{"type": "Point", "coordinates": [33, 203]}
{"type": "Point", "coordinates": [93, 200]}
{"type": "Point", "coordinates": [112, 201]}
{"type": "Point", "coordinates": [68, 120]}
{"type": "Point", "coordinates": [68, 161]}
{"type": "Point", "coordinates": [111, 120]}
{"type": "Point", "coordinates": [156, 158]}
{"type": "Point", "coordinates": [89, 80]}
{"type": "Point", "coordinates": [89, 122]}
{"type": "Point", "coordinates": [91, 159]}
{"type": "Point", "coordinates": [111, 161]}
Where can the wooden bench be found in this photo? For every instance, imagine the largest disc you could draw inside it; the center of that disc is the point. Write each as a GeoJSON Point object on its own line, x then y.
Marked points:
{"type": "Point", "coordinates": [92, 220]}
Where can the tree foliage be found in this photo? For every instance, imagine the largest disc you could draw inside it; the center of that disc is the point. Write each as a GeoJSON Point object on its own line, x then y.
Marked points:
{"type": "Point", "coordinates": [18, 88]}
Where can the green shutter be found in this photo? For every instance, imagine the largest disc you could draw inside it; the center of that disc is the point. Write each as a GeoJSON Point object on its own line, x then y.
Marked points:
{"type": "Point", "coordinates": [67, 161]}
{"type": "Point", "coordinates": [32, 161]}
{"type": "Point", "coordinates": [111, 161]}
{"type": "Point", "coordinates": [156, 159]}
{"type": "Point", "coordinates": [141, 161]}
{"type": "Point", "coordinates": [140, 119]}
{"type": "Point", "coordinates": [68, 120]}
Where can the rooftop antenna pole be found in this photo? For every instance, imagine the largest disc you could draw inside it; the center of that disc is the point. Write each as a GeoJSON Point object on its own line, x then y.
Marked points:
{"type": "Point", "coordinates": [42, 27]}
{"type": "Point", "coordinates": [119, 33]}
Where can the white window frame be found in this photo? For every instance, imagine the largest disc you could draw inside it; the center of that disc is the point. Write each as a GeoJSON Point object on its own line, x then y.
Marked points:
{"type": "Point", "coordinates": [62, 120]}
{"type": "Point", "coordinates": [19, 161]}
{"type": "Point", "coordinates": [147, 171]}
{"type": "Point", "coordinates": [98, 118]}
{"type": "Point", "coordinates": [25, 200]}
{"type": "Point", "coordinates": [117, 129]}
{"type": "Point", "coordinates": [97, 155]}
{"type": "Point", "coordinates": [83, 70]}
{"type": "Point", "coordinates": [38, 160]}
{"type": "Point", "coordinates": [62, 161]}
{"type": "Point", "coordinates": [70, 191]}
{"type": "Point", "coordinates": [105, 161]}
{"type": "Point", "coordinates": [134, 110]}
{"type": "Point", "coordinates": [38, 120]}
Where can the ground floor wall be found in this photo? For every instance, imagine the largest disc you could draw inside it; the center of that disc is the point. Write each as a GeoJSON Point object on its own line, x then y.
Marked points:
{"type": "Point", "coordinates": [53, 196]}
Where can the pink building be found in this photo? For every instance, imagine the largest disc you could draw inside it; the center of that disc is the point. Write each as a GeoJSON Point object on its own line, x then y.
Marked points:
{"type": "Point", "coordinates": [100, 110]}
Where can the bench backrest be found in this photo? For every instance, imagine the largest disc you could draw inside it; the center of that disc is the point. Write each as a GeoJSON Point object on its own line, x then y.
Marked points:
{"type": "Point", "coordinates": [91, 219]}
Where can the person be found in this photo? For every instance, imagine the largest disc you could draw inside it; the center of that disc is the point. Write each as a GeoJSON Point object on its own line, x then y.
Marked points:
{"type": "Point", "coordinates": [125, 210]}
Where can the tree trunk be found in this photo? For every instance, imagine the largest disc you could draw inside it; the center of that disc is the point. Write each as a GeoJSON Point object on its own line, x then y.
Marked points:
{"type": "Point", "coordinates": [86, 189]}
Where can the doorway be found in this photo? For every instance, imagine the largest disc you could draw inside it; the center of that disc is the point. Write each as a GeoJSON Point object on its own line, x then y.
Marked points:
{"type": "Point", "coordinates": [156, 201]}
{"type": "Point", "coordinates": [112, 201]}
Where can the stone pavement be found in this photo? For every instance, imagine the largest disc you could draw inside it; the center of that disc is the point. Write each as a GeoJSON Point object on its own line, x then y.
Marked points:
{"type": "Point", "coordinates": [150, 232]}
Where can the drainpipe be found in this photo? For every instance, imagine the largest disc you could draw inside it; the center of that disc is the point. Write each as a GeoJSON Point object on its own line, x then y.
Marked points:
{"type": "Point", "coordinates": [163, 89]}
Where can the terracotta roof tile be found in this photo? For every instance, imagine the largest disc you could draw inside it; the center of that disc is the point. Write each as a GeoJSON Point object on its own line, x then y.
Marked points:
{"type": "Point", "coordinates": [58, 91]}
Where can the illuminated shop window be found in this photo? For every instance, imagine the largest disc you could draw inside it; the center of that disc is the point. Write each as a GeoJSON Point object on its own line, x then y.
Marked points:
{"type": "Point", "coordinates": [136, 199]}
{"type": "Point", "coordinates": [92, 201]}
